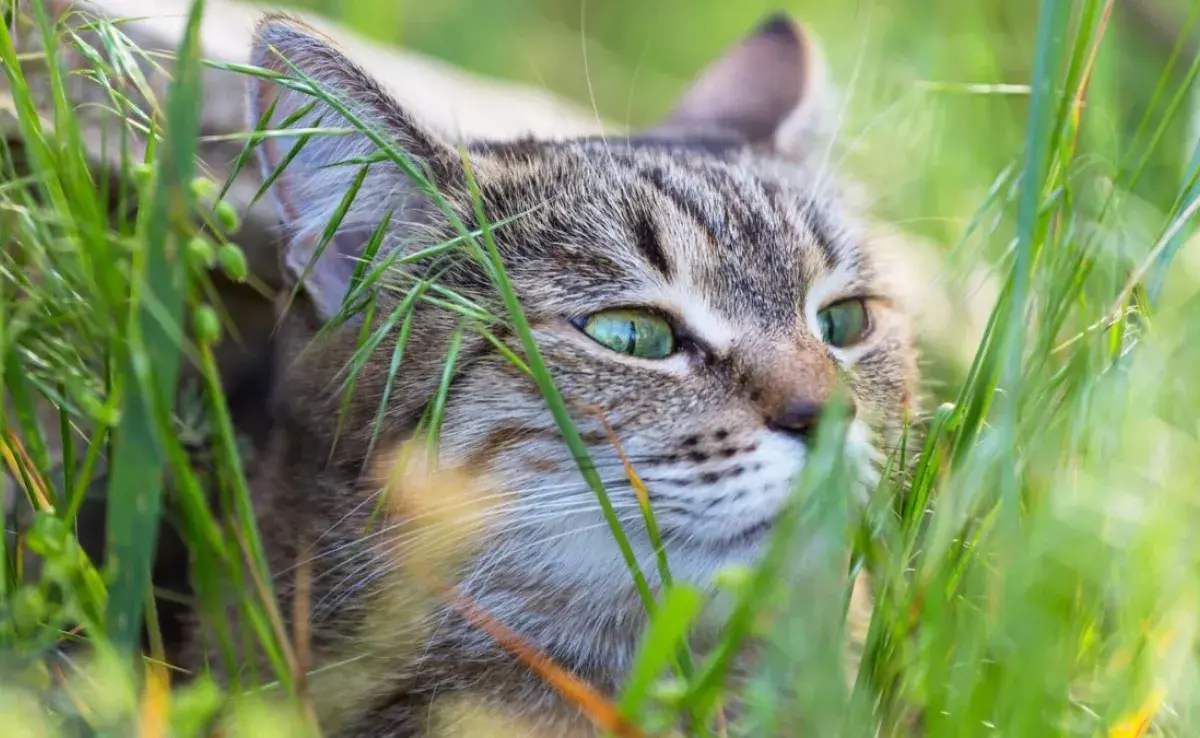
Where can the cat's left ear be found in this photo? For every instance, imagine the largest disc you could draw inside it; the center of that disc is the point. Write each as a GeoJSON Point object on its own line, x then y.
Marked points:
{"type": "Point", "coordinates": [768, 89]}
{"type": "Point", "coordinates": [312, 173]}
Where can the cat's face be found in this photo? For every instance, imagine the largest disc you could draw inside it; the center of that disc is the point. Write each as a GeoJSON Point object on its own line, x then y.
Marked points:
{"type": "Point", "coordinates": [707, 308]}
{"type": "Point", "coordinates": [698, 292]}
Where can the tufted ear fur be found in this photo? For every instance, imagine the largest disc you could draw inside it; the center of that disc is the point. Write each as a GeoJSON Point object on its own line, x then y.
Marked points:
{"type": "Point", "coordinates": [766, 90]}
{"type": "Point", "coordinates": [310, 188]}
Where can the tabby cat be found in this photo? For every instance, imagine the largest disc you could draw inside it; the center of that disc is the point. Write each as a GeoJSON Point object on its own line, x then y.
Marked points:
{"type": "Point", "coordinates": [698, 293]}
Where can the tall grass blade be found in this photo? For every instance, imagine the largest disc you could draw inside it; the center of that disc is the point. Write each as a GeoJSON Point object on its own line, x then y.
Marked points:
{"type": "Point", "coordinates": [152, 358]}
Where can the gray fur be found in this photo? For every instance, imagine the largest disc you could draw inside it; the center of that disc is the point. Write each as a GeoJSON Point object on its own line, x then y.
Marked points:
{"type": "Point", "coordinates": [717, 224]}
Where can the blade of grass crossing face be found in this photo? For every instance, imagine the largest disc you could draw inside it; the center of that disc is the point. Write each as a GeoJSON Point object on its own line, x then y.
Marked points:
{"type": "Point", "coordinates": [437, 412]}
{"type": "Point", "coordinates": [393, 370]}
{"type": "Point", "coordinates": [368, 256]}
{"type": "Point", "coordinates": [330, 230]}
{"type": "Point", "coordinates": [388, 150]}
{"type": "Point", "coordinates": [550, 393]}
{"type": "Point", "coordinates": [684, 658]}
{"type": "Point", "coordinates": [348, 391]}
{"type": "Point", "coordinates": [305, 84]}
{"type": "Point", "coordinates": [705, 689]}
{"type": "Point", "coordinates": [368, 344]}
{"type": "Point", "coordinates": [292, 153]}
{"type": "Point", "coordinates": [504, 350]}
{"type": "Point", "coordinates": [667, 633]}
{"type": "Point", "coordinates": [643, 498]}
{"type": "Point", "coordinates": [455, 306]}
{"type": "Point", "coordinates": [239, 161]}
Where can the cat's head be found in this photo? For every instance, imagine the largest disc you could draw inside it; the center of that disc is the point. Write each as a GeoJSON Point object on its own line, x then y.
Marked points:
{"type": "Point", "coordinates": [697, 286]}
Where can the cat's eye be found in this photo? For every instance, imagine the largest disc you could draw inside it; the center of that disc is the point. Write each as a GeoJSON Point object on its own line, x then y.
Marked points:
{"type": "Point", "coordinates": [844, 323]}
{"type": "Point", "coordinates": [634, 332]}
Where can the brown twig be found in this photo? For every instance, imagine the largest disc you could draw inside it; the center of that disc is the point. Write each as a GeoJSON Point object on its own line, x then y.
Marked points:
{"type": "Point", "coordinates": [595, 706]}
{"type": "Point", "coordinates": [301, 638]}
{"type": "Point", "coordinates": [24, 469]}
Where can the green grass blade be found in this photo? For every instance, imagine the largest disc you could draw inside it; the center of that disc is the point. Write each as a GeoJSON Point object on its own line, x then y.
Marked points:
{"type": "Point", "coordinates": [666, 634]}
{"type": "Point", "coordinates": [153, 357]}
{"type": "Point", "coordinates": [437, 409]}
{"type": "Point", "coordinates": [1191, 193]}
{"type": "Point", "coordinates": [554, 400]}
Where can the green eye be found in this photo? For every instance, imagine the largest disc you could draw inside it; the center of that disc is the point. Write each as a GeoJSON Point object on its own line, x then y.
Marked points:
{"type": "Point", "coordinates": [844, 323]}
{"type": "Point", "coordinates": [630, 332]}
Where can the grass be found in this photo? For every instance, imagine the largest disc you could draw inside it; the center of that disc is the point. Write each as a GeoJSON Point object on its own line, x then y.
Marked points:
{"type": "Point", "coordinates": [1034, 567]}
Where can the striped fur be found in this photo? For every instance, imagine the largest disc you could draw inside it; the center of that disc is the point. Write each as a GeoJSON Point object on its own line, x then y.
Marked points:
{"type": "Point", "coordinates": [726, 226]}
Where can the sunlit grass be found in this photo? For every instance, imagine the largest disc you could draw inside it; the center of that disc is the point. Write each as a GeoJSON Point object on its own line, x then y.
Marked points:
{"type": "Point", "coordinates": [1034, 567]}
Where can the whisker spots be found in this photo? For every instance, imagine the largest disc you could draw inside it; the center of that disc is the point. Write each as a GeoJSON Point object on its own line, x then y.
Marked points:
{"type": "Point", "coordinates": [543, 465]}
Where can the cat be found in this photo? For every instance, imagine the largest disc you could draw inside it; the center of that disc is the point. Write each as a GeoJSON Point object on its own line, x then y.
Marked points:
{"type": "Point", "coordinates": [698, 292]}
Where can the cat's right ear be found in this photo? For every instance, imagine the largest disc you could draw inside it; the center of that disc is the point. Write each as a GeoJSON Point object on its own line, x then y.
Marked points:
{"type": "Point", "coordinates": [768, 89]}
{"type": "Point", "coordinates": [313, 172]}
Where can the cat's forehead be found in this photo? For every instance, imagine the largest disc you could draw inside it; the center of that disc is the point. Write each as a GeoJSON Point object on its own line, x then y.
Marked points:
{"type": "Point", "coordinates": [749, 233]}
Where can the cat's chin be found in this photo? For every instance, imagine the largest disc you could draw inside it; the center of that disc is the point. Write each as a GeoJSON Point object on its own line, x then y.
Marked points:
{"type": "Point", "coordinates": [752, 535]}
{"type": "Point", "coordinates": [738, 542]}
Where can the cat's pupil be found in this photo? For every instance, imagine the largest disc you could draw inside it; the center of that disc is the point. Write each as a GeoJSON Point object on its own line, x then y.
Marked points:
{"type": "Point", "coordinates": [844, 323]}
{"type": "Point", "coordinates": [618, 335]}
{"type": "Point", "coordinates": [629, 337]}
{"type": "Point", "coordinates": [827, 326]}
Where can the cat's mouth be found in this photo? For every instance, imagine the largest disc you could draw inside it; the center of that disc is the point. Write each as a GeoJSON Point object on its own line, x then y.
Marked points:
{"type": "Point", "coordinates": [753, 533]}
{"type": "Point", "coordinates": [745, 537]}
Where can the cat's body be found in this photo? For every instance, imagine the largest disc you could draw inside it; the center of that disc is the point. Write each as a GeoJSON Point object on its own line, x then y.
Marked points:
{"type": "Point", "coordinates": [714, 227]}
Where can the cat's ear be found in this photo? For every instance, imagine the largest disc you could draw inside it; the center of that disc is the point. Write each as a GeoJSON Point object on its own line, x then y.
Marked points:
{"type": "Point", "coordinates": [768, 89]}
{"type": "Point", "coordinates": [313, 179]}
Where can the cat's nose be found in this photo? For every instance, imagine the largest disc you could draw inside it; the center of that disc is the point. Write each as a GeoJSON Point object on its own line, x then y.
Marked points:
{"type": "Point", "coordinates": [797, 416]}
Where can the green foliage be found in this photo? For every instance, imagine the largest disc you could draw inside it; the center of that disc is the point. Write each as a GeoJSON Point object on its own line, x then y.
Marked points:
{"type": "Point", "coordinates": [1034, 567]}
{"type": "Point", "coordinates": [97, 305]}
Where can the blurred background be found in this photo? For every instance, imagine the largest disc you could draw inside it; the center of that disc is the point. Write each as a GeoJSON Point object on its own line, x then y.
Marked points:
{"type": "Point", "coordinates": [934, 145]}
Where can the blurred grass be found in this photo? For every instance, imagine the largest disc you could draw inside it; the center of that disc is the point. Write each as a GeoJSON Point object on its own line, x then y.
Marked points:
{"type": "Point", "coordinates": [1035, 570]}
{"type": "Point", "coordinates": [922, 148]}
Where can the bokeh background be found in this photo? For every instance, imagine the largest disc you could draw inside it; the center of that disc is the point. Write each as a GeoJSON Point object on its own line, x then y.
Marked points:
{"type": "Point", "coordinates": [930, 145]}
